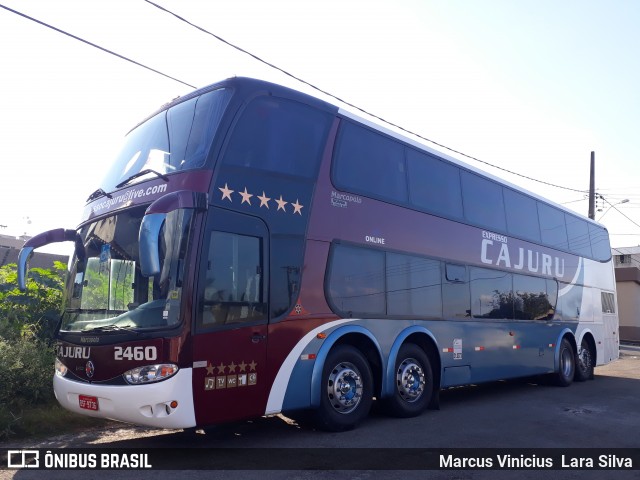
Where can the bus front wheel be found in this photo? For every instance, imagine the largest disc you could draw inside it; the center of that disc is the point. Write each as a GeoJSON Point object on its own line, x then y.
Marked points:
{"type": "Point", "coordinates": [567, 365]}
{"type": "Point", "coordinates": [347, 390]}
{"type": "Point", "coordinates": [413, 383]}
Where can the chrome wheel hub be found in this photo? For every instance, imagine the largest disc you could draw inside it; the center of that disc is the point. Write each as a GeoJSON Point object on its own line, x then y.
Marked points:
{"type": "Point", "coordinates": [344, 387]}
{"type": "Point", "coordinates": [410, 380]}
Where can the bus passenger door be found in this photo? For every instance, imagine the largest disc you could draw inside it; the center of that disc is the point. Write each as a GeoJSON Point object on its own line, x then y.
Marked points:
{"type": "Point", "coordinates": [230, 338]}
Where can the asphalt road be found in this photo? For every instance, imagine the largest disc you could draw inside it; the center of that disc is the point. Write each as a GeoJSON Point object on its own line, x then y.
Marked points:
{"type": "Point", "coordinates": [597, 414]}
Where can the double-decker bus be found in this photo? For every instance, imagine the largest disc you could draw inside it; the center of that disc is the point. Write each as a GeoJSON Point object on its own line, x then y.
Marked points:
{"type": "Point", "coordinates": [255, 250]}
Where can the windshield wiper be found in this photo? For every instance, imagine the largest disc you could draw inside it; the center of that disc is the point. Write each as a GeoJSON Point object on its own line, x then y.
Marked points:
{"type": "Point", "coordinates": [98, 193]}
{"type": "Point", "coordinates": [140, 174]}
{"type": "Point", "coordinates": [110, 328]}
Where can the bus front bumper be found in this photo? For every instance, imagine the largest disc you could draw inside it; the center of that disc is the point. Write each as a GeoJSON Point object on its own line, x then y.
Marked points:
{"type": "Point", "coordinates": [149, 404]}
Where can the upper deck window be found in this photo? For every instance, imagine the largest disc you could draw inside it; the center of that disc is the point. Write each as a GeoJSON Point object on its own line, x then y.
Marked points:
{"type": "Point", "coordinates": [375, 165]}
{"type": "Point", "coordinates": [279, 135]}
{"type": "Point", "coordinates": [434, 185]}
{"type": "Point", "coordinates": [578, 234]}
{"type": "Point", "coordinates": [369, 162]}
{"type": "Point", "coordinates": [173, 140]}
{"type": "Point", "coordinates": [522, 215]}
{"type": "Point", "coordinates": [552, 227]}
{"type": "Point", "coordinates": [483, 202]}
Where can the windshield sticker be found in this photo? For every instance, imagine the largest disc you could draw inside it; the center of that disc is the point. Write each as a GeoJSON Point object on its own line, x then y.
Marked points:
{"type": "Point", "coordinates": [105, 253]}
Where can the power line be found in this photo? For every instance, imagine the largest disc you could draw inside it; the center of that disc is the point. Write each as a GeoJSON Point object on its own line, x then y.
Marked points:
{"type": "Point", "coordinates": [95, 46]}
{"type": "Point", "coordinates": [611, 205]}
{"type": "Point", "coordinates": [240, 49]}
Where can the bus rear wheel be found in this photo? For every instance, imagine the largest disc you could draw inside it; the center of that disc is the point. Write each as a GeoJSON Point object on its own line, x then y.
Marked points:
{"type": "Point", "coordinates": [413, 383]}
{"type": "Point", "coordinates": [347, 390]}
{"type": "Point", "coordinates": [585, 363]}
{"type": "Point", "coordinates": [567, 365]}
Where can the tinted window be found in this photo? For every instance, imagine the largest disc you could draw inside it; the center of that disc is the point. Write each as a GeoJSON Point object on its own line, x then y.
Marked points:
{"type": "Point", "coordinates": [173, 140]}
{"type": "Point", "coordinates": [286, 254]}
{"type": "Point", "coordinates": [608, 302]}
{"type": "Point", "coordinates": [356, 281]}
{"type": "Point", "coordinates": [434, 185]}
{"type": "Point", "coordinates": [413, 286]}
{"type": "Point", "coordinates": [455, 292]}
{"type": "Point", "coordinates": [578, 235]}
{"type": "Point", "coordinates": [570, 303]}
{"type": "Point", "coordinates": [522, 215]}
{"type": "Point", "coordinates": [455, 273]}
{"type": "Point", "coordinates": [552, 227]}
{"type": "Point", "coordinates": [369, 163]}
{"type": "Point", "coordinates": [531, 299]}
{"type": "Point", "coordinates": [233, 291]}
{"type": "Point", "coordinates": [491, 294]}
{"type": "Point", "coordinates": [552, 292]}
{"type": "Point", "coordinates": [483, 203]}
{"type": "Point", "coordinates": [600, 242]}
{"type": "Point", "coordinates": [279, 136]}
{"type": "Point", "coordinates": [206, 119]}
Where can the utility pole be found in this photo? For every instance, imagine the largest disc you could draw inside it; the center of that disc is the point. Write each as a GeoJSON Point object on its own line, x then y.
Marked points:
{"type": "Point", "coordinates": [592, 188]}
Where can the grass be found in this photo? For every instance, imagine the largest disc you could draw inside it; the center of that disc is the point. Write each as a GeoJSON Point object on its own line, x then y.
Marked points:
{"type": "Point", "coordinates": [39, 422]}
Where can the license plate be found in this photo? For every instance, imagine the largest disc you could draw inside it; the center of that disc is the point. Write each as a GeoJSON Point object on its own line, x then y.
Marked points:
{"type": "Point", "coordinates": [88, 403]}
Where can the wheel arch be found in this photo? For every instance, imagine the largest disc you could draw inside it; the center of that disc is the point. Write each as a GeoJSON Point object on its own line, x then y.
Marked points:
{"type": "Point", "coordinates": [424, 339]}
{"type": "Point", "coordinates": [570, 336]}
{"type": "Point", "coordinates": [358, 337]}
{"type": "Point", "coordinates": [588, 335]}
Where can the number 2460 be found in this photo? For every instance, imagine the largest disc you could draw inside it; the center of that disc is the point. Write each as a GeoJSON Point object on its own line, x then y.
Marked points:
{"type": "Point", "coordinates": [135, 353]}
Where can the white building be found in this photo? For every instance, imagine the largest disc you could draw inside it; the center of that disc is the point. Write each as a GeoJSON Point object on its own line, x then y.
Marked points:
{"type": "Point", "coordinates": [627, 268]}
{"type": "Point", "coordinates": [10, 247]}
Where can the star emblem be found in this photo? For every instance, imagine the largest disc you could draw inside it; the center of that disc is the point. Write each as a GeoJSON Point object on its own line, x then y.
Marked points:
{"type": "Point", "coordinates": [232, 367]}
{"type": "Point", "coordinates": [226, 192]}
{"type": "Point", "coordinates": [264, 200]}
{"type": "Point", "coordinates": [210, 369]}
{"type": "Point", "coordinates": [242, 366]}
{"type": "Point", "coordinates": [246, 196]}
{"type": "Point", "coordinates": [252, 366]}
{"type": "Point", "coordinates": [221, 368]}
{"type": "Point", "coordinates": [297, 208]}
{"type": "Point", "coordinates": [281, 203]}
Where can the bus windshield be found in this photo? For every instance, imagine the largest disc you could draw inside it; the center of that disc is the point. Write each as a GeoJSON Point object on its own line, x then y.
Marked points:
{"type": "Point", "coordinates": [107, 290]}
{"type": "Point", "coordinates": [173, 140]}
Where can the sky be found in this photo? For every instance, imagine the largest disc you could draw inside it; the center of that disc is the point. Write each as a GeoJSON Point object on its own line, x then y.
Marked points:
{"type": "Point", "coordinates": [528, 87]}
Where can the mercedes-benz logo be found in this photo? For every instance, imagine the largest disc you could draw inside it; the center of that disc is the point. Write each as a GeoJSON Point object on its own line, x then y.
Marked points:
{"type": "Point", "coordinates": [89, 369]}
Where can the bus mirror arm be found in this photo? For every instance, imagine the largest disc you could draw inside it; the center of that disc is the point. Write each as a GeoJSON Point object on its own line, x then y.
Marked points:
{"type": "Point", "coordinates": [40, 240]}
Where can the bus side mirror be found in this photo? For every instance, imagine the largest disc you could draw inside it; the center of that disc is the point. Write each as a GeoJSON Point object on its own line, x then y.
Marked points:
{"type": "Point", "coordinates": [149, 248]}
{"type": "Point", "coordinates": [40, 240]}
{"type": "Point", "coordinates": [152, 223]}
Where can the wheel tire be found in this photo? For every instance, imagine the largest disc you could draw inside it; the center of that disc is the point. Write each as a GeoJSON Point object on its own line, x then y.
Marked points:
{"type": "Point", "coordinates": [413, 379]}
{"type": "Point", "coordinates": [585, 362]}
{"type": "Point", "coordinates": [346, 394]}
{"type": "Point", "coordinates": [567, 365]}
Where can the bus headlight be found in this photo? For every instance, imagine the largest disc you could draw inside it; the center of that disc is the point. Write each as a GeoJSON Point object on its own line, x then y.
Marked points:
{"type": "Point", "coordinates": [150, 373]}
{"type": "Point", "coordinates": [61, 369]}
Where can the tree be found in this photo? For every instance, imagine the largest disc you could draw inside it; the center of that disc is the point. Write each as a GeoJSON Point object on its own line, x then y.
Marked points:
{"type": "Point", "coordinates": [34, 312]}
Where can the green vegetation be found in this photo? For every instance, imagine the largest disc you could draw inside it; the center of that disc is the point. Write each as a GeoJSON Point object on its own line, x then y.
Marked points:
{"type": "Point", "coordinates": [27, 324]}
